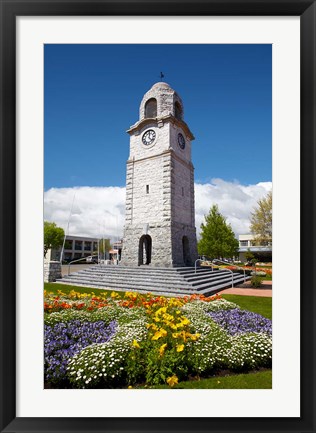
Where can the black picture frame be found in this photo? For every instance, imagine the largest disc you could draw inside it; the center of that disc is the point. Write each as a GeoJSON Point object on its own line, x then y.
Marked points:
{"type": "Point", "coordinates": [10, 9]}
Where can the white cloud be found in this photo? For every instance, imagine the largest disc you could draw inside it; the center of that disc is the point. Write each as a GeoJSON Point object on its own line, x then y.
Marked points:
{"type": "Point", "coordinates": [97, 211]}
{"type": "Point", "coordinates": [100, 211]}
{"type": "Point", "coordinates": [235, 201]}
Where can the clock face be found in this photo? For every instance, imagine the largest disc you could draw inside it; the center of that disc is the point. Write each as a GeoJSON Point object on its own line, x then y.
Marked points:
{"type": "Point", "coordinates": [181, 141]}
{"type": "Point", "coordinates": [149, 137]}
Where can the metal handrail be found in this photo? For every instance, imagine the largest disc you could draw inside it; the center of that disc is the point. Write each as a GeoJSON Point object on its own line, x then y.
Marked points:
{"type": "Point", "coordinates": [228, 270]}
{"type": "Point", "coordinates": [237, 267]}
{"type": "Point", "coordinates": [197, 260]}
{"type": "Point", "coordinates": [74, 261]}
{"type": "Point", "coordinates": [201, 260]}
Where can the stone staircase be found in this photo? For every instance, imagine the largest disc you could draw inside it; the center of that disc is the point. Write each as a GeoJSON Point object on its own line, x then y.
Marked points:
{"type": "Point", "coordinates": [161, 281]}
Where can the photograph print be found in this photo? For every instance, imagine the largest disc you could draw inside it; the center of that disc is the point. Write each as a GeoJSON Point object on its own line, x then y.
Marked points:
{"type": "Point", "coordinates": [157, 216]}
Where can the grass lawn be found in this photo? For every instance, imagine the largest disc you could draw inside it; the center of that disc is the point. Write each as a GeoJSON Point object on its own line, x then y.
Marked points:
{"type": "Point", "coordinates": [54, 287]}
{"type": "Point", "coordinates": [257, 380]}
{"type": "Point", "coordinates": [267, 278]}
{"type": "Point", "coordinates": [256, 304]}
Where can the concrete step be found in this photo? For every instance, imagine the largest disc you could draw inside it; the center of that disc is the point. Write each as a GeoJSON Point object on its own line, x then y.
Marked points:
{"type": "Point", "coordinates": [175, 278]}
{"type": "Point", "coordinates": [119, 280]}
{"type": "Point", "coordinates": [172, 281]}
{"type": "Point", "coordinates": [226, 281]}
{"type": "Point", "coordinates": [150, 284]}
{"type": "Point", "coordinates": [140, 270]}
{"type": "Point", "coordinates": [127, 287]}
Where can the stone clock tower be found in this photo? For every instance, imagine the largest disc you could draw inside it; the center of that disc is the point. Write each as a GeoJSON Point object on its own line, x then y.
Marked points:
{"type": "Point", "coordinates": [159, 227]}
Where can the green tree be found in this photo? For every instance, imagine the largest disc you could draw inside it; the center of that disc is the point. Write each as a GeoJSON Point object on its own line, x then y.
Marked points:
{"type": "Point", "coordinates": [261, 221]}
{"type": "Point", "coordinates": [217, 237]}
{"type": "Point", "coordinates": [249, 255]}
{"type": "Point", "coordinates": [104, 246]}
{"type": "Point", "coordinates": [53, 236]}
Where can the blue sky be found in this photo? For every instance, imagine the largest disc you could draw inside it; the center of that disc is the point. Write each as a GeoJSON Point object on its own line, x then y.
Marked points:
{"type": "Point", "coordinates": [92, 95]}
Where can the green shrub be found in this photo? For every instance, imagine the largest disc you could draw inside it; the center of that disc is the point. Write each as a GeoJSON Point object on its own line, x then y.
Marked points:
{"type": "Point", "coordinates": [255, 281]}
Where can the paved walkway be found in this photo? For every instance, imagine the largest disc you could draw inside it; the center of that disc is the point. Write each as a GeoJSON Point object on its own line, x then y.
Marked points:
{"type": "Point", "coordinates": [75, 268]}
{"type": "Point", "coordinates": [265, 290]}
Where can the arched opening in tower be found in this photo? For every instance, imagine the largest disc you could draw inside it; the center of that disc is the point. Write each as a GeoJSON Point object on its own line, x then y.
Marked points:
{"type": "Point", "coordinates": [144, 252]}
{"type": "Point", "coordinates": [178, 110]}
{"type": "Point", "coordinates": [151, 108]}
{"type": "Point", "coordinates": [186, 251]}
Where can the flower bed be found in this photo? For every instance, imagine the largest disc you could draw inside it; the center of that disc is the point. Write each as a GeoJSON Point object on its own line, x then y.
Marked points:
{"type": "Point", "coordinates": [64, 340]}
{"type": "Point", "coordinates": [240, 269]}
{"type": "Point", "coordinates": [238, 321]}
{"type": "Point", "coordinates": [112, 341]}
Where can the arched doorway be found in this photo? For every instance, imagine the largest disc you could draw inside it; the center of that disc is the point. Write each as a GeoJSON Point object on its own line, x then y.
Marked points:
{"type": "Point", "coordinates": [186, 251]}
{"type": "Point", "coordinates": [144, 252]}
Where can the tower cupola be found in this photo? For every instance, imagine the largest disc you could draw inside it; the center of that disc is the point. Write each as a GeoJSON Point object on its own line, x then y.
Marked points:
{"type": "Point", "coordinates": [160, 101]}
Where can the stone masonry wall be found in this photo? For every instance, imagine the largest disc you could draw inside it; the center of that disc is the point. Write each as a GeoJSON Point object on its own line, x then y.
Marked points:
{"type": "Point", "coordinates": [167, 244]}
{"type": "Point", "coordinates": [182, 194]}
{"type": "Point", "coordinates": [160, 233]}
{"type": "Point", "coordinates": [177, 233]}
{"type": "Point", "coordinates": [52, 271]}
{"type": "Point", "coordinates": [166, 212]}
{"type": "Point", "coordinates": [138, 150]}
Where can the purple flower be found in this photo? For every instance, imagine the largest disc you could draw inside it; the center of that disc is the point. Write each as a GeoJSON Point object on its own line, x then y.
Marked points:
{"type": "Point", "coordinates": [238, 321]}
{"type": "Point", "coordinates": [63, 340]}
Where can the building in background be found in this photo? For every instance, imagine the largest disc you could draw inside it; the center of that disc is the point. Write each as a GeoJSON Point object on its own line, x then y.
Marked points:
{"type": "Point", "coordinates": [247, 243]}
{"type": "Point", "coordinates": [116, 252]}
{"type": "Point", "coordinates": [76, 247]}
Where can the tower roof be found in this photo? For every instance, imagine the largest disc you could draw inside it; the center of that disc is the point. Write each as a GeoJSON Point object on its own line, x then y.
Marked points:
{"type": "Point", "coordinates": [161, 102]}
{"type": "Point", "coordinates": [162, 84]}
{"type": "Point", "coordinates": [166, 99]}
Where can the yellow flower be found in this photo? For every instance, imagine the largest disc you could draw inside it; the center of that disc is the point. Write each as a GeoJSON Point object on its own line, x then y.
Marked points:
{"type": "Point", "coordinates": [194, 337]}
{"type": "Point", "coordinates": [162, 349]}
{"type": "Point", "coordinates": [172, 380]}
{"type": "Point", "coordinates": [175, 334]}
{"type": "Point", "coordinates": [167, 317]}
{"type": "Point", "coordinates": [131, 295]}
{"type": "Point", "coordinates": [135, 344]}
{"type": "Point", "coordinates": [161, 310]}
{"type": "Point", "coordinates": [173, 326]}
{"type": "Point", "coordinates": [130, 387]}
{"type": "Point", "coordinates": [161, 333]}
{"type": "Point", "coordinates": [180, 347]}
{"type": "Point", "coordinates": [114, 295]}
{"type": "Point", "coordinates": [152, 326]}
{"type": "Point", "coordinates": [185, 321]}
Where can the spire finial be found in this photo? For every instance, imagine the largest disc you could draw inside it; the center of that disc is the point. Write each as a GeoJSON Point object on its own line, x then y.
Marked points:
{"type": "Point", "coordinates": [161, 75]}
